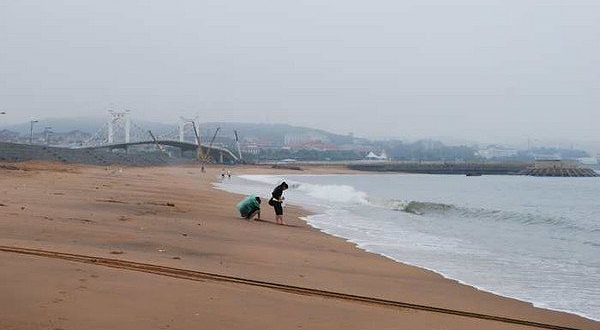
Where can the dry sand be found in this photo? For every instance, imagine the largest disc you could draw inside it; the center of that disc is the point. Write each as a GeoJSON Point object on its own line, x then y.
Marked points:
{"type": "Point", "coordinates": [172, 216]}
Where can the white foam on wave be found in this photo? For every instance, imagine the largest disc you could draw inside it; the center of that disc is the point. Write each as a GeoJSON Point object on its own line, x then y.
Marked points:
{"type": "Point", "coordinates": [332, 193]}
{"type": "Point", "coordinates": [365, 243]}
{"type": "Point", "coordinates": [268, 179]}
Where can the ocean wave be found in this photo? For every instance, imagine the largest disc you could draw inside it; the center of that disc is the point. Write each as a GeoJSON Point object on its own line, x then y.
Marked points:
{"type": "Point", "coordinates": [344, 194]}
{"type": "Point", "coordinates": [333, 193]}
{"type": "Point", "coordinates": [440, 209]}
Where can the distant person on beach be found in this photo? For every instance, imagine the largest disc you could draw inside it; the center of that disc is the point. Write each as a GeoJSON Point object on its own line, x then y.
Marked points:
{"type": "Point", "coordinates": [249, 207]}
{"type": "Point", "coordinates": [222, 173]}
{"type": "Point", "coordinates": [229, 174]}
{"type": "Point", "coordinates": [277, 200]}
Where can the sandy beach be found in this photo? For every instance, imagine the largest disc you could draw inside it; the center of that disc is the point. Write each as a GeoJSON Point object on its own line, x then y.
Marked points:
{"type": "Point", "coordinates": [173, 217]}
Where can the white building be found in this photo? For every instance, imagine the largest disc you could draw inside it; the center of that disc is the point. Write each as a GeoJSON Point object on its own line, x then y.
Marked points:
{"type": "Point", "coordinates": [372, 156]}
{"type": "Point", "coordinates": [497, 152]}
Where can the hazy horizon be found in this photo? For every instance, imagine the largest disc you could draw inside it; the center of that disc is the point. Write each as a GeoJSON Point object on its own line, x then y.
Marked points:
{"type": "Point", "coordinates": [501, 71]}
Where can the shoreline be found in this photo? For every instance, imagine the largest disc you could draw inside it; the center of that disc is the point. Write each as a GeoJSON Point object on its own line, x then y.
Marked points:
{"type": "Point", "coordinates": [459, 281]}
{"type": "Point", "coordinates": [128, 215]}
{"type": "Point", "coordinates": [308, 214]}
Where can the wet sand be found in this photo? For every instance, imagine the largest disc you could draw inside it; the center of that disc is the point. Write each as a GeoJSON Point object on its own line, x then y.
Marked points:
{"type": "Point", "coordinates": [172, 216]}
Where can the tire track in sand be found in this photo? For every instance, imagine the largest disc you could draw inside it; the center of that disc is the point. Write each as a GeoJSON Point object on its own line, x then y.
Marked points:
{"type": "Point", "coordinates": [204, 276]}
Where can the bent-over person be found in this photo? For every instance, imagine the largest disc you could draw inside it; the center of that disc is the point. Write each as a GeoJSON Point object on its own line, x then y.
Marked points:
{"type": "Point", "coordinates": [249, 207]}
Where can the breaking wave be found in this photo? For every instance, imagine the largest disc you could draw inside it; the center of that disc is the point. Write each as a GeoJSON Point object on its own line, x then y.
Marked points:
{"type": "Point", "coordinates": [440, 209]}
{"type": "Point", "coordinates": [344, 194]}
{"type": "Point", "coordinates": [333, 193]}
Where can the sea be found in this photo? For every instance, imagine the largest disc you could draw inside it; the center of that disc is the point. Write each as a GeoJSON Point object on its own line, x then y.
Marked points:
{"type": "Point", "coordinates": [536, 239]}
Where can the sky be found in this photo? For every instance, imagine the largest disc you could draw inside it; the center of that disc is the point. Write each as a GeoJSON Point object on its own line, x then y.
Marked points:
{"type": "Point", "coordinates": [479, 70]}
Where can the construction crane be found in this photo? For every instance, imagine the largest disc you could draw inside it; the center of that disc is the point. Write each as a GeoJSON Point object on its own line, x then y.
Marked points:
{"type": "Point", "coordinates": [211, 144]}
{"type": "Point", "coordinates": [199, 155]}
{"type": "Point", "coordinates": [160, 147]}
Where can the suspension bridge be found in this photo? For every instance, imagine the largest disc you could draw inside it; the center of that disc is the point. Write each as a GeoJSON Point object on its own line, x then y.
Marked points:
{"type": "Point", "coordinates": [120, 132]}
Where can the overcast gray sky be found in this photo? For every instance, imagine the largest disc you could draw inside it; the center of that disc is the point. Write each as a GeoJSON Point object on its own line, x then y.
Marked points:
{"type": "Point", "coordinates": [476, 69]}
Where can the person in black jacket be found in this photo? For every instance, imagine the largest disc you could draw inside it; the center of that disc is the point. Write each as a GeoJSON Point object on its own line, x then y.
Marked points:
{"type": "Point", "coordinates": [276, 200]}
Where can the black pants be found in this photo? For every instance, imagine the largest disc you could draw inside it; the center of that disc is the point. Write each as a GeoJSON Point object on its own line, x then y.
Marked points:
{"type": "Point", "coordinates": [278, 208]}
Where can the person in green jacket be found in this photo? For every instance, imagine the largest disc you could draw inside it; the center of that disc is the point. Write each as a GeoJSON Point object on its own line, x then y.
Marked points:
{"type": "Point", "coordinates": [249, 207]}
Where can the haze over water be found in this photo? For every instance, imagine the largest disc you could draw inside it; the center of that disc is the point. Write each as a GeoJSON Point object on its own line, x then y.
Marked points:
{"type": "Point", "coordinates": [531, 238]}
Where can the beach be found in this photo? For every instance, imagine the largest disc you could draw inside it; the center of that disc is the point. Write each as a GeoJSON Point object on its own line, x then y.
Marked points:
{"type": "Point", "coordinates": [173, 217]}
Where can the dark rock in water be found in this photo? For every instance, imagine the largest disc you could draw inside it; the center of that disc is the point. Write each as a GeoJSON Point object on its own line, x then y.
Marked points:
{"type": "Point", "coordinates": [558, 168]}
{"type": "Point", "coordinates": [472, 174]}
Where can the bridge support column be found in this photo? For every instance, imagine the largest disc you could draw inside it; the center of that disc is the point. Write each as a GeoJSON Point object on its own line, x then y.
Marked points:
{"type": "Point", "coordinates": [221, 157]}
{"type": "Point", "coordinates": [111, 133]}
{"type": "Point", "coordinates": [127, 130]}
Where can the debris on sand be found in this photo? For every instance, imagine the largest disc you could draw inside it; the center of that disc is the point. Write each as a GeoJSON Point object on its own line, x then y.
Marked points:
{"type": "Point", "coordinates": [9, 167]}
{"type": "Point", "coordinates": [111, 201]}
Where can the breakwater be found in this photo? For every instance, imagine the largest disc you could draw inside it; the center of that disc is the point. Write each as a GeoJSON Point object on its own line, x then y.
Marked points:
{"type": "Point", "coordinates": [555, 168]}
{"type": "Point", "coordinates": [14, 152]}
{"type": "Point", "coordinates": [474, 168]}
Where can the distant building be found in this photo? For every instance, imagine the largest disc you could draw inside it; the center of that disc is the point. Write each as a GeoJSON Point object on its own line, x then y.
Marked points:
{"type": "Point", "coordinates": [372, 156]}
{"type": "Point", "coordinates": [546, 157]}
{"type": "Point", "coordinates": [494, 151]}
{"type": "Point", "coordinates": [252, 149]}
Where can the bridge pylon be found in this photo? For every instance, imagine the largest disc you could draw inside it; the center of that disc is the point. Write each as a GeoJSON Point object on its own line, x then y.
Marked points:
{"type": "Point", "coordinates": [186, 123]}
{"type": "Point", "coordinates": [119, 118]}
